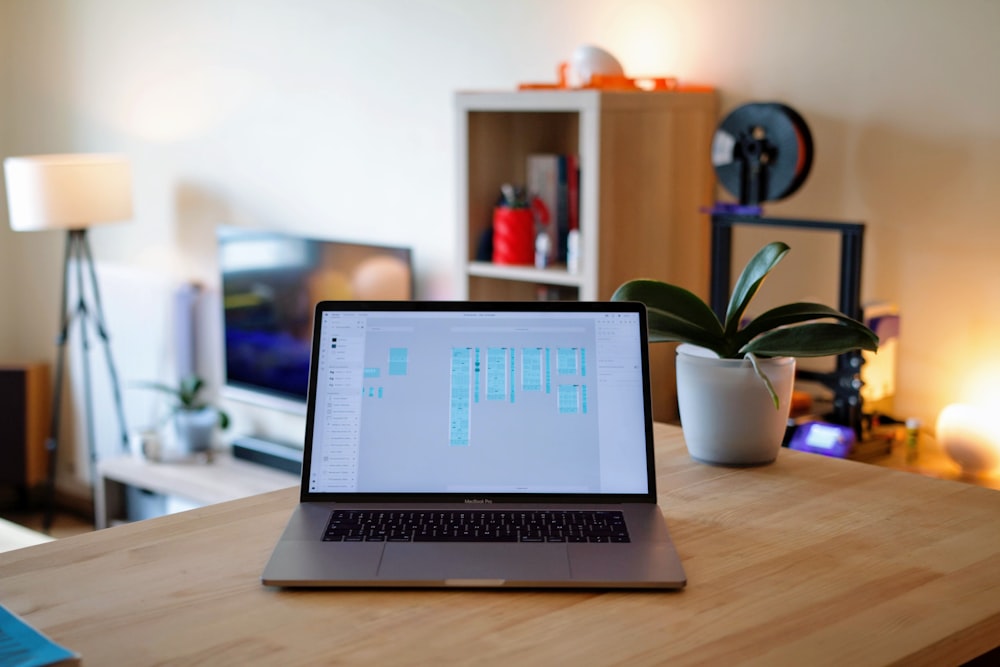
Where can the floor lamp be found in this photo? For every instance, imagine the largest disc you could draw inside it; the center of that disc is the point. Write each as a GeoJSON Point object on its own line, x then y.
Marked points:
{"type": "Point", "coordinates": [72, 193]}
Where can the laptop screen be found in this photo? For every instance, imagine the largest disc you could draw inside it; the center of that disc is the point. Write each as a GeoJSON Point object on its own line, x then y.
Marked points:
{"type": "Point", "coordinates": [488, 400]}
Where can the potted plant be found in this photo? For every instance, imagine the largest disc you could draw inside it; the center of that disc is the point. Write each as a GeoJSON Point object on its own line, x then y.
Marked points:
{"type": "Point", "coordinates": [734, 379]}
{"type": "Point", "coordinates": [194, 417]}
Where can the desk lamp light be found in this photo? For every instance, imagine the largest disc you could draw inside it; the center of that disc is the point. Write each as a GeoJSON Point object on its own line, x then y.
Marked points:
{"type": "Point", "coordinates": [72, 193]}
{"type": "Point", "coordinates": [970, 435]}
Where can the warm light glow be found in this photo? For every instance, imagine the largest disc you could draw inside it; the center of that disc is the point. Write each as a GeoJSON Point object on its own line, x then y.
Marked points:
{"type": "Point", "coordinates": [971, 437]}
{"type": "Point", "coordinates": [73, 191]}
{"type": "Point", "coordinates": [645, 39]}
{"type": "Point", "coordinates": [176, 102]}
{"type": "Point", "coordinates": [981, 387]}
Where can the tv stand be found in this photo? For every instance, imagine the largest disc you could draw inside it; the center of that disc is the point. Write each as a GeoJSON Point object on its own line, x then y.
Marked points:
{"type": "Point", "coordinates": [195, 483]}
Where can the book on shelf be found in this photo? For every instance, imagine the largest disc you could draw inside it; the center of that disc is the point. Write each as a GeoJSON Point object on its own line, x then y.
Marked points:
{"type": "Point", "coordinates": [554, 178]}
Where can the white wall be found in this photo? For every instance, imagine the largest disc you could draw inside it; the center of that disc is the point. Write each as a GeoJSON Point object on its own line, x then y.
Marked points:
{"type": "Point", "coordinates": [334, 118]}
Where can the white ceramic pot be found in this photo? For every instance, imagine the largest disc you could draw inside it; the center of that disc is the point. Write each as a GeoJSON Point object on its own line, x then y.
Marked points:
{"type": "Point", "coordinates": [726, 412]}
{"type": "Point", "coordinates": [195, 430]}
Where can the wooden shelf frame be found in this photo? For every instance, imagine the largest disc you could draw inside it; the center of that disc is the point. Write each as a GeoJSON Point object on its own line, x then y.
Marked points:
{"type": "Point", "coordinates": [645, 180]}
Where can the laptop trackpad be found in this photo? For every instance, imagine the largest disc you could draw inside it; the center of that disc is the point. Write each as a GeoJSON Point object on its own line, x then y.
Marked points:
{"type": "Point", "coordinates": [418, 561]}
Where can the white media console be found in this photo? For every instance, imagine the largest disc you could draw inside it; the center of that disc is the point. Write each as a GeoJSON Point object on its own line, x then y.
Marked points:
{"type": "Point", "coordinates": [182, 484]}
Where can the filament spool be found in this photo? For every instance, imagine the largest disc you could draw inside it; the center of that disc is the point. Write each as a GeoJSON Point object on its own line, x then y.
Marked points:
{"type": "Point", "coordinates": [762, 151]}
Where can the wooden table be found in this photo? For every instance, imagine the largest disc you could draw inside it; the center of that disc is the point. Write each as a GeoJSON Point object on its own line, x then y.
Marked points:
{"type": "Point", "coordinates": [932, 461]}
{"type": "Point", "coordinates": [807, 561]}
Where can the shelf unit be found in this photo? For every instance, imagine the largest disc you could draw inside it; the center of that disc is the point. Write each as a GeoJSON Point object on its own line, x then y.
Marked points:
{"type": "Point", "coordinates": [645, 176]}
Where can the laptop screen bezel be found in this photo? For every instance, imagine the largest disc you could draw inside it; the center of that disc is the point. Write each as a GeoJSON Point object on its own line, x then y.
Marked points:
{"type": "Point", "coordinates": [479, 306]}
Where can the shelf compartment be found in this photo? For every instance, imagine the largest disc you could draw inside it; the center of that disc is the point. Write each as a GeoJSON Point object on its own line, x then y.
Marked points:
{"type": "Point", "coordinates": [554, 275]}
{"type": "Point", "coordinates": [484, 288]}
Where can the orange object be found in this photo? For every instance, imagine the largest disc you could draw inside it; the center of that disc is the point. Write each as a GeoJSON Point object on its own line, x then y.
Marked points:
{"type": "Point", "coordinates": [608, 82]}
{"type": "Point", "coordinates": [560, 84]}
{"type": "Point", "coordinates": [801, 403]}
{"type": "Point", "coordinates": [612, 82]}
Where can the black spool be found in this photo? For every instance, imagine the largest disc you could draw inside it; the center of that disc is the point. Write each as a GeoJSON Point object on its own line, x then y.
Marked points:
{"type": "Point", "coordinates": [762, 151]}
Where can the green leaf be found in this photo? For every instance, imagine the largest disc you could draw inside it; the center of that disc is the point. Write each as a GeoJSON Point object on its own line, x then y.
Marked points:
{"type": "Point", "coordinates": [186, 392]}
{"type": "Point", "coordinates": [670, 298]}
{"type": "Point", "coordinates": [795, 313]}
{"type": "Point", "coordinates": [750, 280]}
{"type": "Point", "coordinates": [159, 386]}
{"type": "Point", "coordinates": [797, 329]}
{"type": "Point", "coordinates": [766, 380]}
{"type": "Point", "coordinates": [665, 328]}
{"type": "Point", "coordinates": [673, 313]}
{"type": "Point", "coordinates": [190, 386]}
{"type": "Point", "coordinates": [816, 339]}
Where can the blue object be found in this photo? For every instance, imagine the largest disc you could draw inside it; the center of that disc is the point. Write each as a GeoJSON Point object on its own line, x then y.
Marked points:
{"type": "Point", "coordinates": [734, 209]}
{"type": "Point", "coordinates": [823, 438]}
{"type": "Point", "coordinates": [21, 644]}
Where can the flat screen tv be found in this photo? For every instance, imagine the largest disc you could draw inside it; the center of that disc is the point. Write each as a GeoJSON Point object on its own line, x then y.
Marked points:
{"type": "Point", "coordinates": [270, 284]}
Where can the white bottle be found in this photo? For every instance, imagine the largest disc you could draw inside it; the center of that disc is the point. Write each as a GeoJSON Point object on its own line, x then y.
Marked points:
{"type": "Point", "coordinates": [541, 250]}
{"type": "Point", "coordinates": [573, 251]}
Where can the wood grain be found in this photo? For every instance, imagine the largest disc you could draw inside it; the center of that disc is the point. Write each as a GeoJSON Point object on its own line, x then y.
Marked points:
{"type": "Point", "coordinates": [807, 561]}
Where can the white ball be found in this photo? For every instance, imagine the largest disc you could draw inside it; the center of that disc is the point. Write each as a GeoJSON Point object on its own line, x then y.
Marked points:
{"type": "Point", "coordinates": [589, 60]}
{"type": "Point", "coordinates": [970, 437]}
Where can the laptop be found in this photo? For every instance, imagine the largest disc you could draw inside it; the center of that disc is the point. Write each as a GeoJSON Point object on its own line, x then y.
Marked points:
{"type": "Point", "coordinates": [477, 444]}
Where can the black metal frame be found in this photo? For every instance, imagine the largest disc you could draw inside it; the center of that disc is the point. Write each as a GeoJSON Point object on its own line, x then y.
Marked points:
{"type": "Point", "coordinates": [845, 380]}
{"type": "Point", "coordinates": [78, 257]}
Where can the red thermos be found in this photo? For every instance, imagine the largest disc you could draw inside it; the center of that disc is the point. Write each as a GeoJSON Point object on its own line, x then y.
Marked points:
{"type": "Point", "coordinates": [513, 235]}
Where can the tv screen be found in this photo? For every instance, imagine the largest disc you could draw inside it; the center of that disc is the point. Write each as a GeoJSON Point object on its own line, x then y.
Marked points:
{"type": "Point", "coordinates": [270, 285]}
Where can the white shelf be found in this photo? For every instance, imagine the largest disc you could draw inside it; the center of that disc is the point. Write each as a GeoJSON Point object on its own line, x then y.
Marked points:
{"type": "Point", "coordinates": [556, 275]}
{"type": "Point", "coordinates": [530, 100]}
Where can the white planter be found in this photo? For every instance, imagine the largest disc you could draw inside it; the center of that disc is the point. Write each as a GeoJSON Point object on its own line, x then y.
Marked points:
{"type": "Point", "coordinates": [726, 412]}
{"type": "Point", "coordinates": [195, 430]}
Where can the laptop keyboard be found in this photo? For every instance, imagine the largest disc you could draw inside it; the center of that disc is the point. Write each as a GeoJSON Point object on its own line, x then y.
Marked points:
{"type": "Point", "coordinates": [476, 526]}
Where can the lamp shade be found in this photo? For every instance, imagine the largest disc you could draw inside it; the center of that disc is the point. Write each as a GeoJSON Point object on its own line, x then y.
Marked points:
{"type": "Point", "coordinates": [971, 437]}
{"type": "Point", "coordinates": [67, 191]}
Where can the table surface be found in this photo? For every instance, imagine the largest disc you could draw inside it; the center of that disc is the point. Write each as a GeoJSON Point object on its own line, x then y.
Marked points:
{"type": "Point", "coordinates": [810, 560]}
{"type": "Point", "coordinates": [932, 461]}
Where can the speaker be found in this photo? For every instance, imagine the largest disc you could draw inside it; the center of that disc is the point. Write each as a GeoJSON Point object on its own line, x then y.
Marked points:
{"type": "Point", "coordinates": [25, 407]}
{"type": "Point", "coordinates": [271, 454]}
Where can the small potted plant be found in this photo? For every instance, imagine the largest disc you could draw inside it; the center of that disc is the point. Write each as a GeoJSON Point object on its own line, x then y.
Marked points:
{"type": "Point", "coordinates": [734, 379]}
{"type": "Point", "coordinates": [194, 417]}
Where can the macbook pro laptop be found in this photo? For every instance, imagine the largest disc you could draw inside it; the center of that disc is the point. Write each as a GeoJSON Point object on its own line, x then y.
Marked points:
{"type": "Point", "coordinates": [478, 444]}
